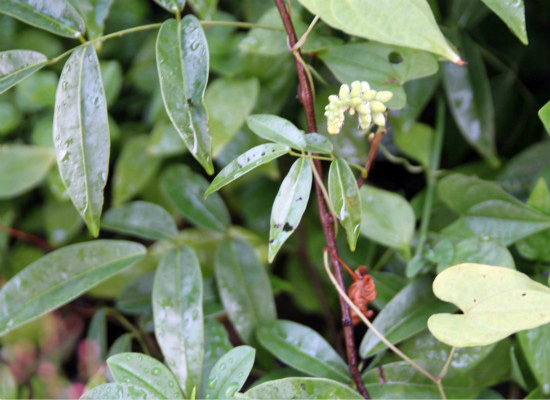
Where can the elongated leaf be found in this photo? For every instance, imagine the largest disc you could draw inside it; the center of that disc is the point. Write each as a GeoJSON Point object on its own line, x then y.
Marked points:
{"type": "Point", "coordinates": [230, 373]}
{"type": "Point", "coordinates": [544, 115]}
{"type": "Point", "coordinates": [303, 349]}
{"type": "Point", "coordinates": [488, 210]}
{"type": "Point", "coordinates": [289, 205]}
{"type": "Point", "coordinates": [144, 371]}
{"type": "Point", "coordinates": [119, 391]}
{"type": "Point", "coordinates": [414, 140]}
{"type": "Point", "coordinates": [81, 134]}
{"type": "Point", "coordinates": [174, 6]}
{"type": "Point", "coordinates": [245, 163]}
{"type": "Point", "coordinates": [94, 12]}
{"type": "Point", "coordinates": [142, 219]}
{"type": "Point", "coordinates": [278, 130]}
{"type": "Point", "coordinates": [302, 388]}
{"type": "Point", "coordinates": [185, 189]}
{"type": "Point", "coordinates": [16, 65]}
{"type": "Point", "coordinates": [535, 344]}
{"type": "Point", "coordinates": [97, 332]}
{"type": "Point", "coordinates": [470, 100]}
{"type": "Point", "coordinates": [22, 168]}
{"type": "Point", "coordinates": [345, 198]}
{"type": "Point", "coordinates": [216, 344]}
{"type": "Point", "coordinates": [56, 16]}
{"type": "Point", "coordinates": [61, 276]}
{"type": "Point", "coordinates": [386, 218]}
{"type": "Point", "coordinates": [8, 383]}
{"type": "Point", "coordinates": [61, 221]}
{"type": "Point", "coordinates": [316, 143]}
{"type": "Point", "coordinates": [177, 310]}
{"type": "Point", "coordinates": [204, 8]}
{"type": "Point", "coordinates": [182, 63]}
{"type": "Point", "coordinates": [512, 12]}
{"type": "Point", "coordinates": [409, 24]}
{"type": "Point", "coordinates": [404, 316]}
{"type": "Point", "coordinates": [135, 296]}
{"type": "Point", "coordinates": [123, 344]}
{"type": "Point", "coordinates": [496, 302]}
{"type": "Point", "coordinates": [244, 287]}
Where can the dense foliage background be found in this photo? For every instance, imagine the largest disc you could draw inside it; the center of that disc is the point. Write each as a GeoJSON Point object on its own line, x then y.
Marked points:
{"type": "Point", "coordinates": [461, 176]}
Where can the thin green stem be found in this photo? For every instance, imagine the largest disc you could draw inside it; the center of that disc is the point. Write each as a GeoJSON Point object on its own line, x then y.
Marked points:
{"type": "Point", "coordinates": [244, 25]}
{"type": "Point", "coordinates": [129, 327]}
{"type": "Point", "coordinates": [321, 185]}
{"type": "Point", "coordinates": [303, 39]}
{"type": "Point", "coordinates": [356, 166]}
{"type": "Point", "coordinates": [413, 169]}
{"type": "Point", "coordinates": [447, 364]}
{"type": "Point", "coordinates": [312, 156]}
{"type": "Point", "coordinates": [386, 256]}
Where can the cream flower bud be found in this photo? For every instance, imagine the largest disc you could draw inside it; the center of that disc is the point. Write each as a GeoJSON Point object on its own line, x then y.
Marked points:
{"type": "Point", "coordinates": [368, 95]}
{"type": "Point", "coordinates": [379, 118]}
{"type": "Point", "coordinates": [365, 86]}
{"type": "Point", "coordinates": [365, 121]}
{"type": "Point", "coordinates": [355, 101]}
{"type": "Point", "coordinates": [363, 108]}
{"type": "Point", "coordinates": [384, 96]}
{"type": "Point", "coordinates": [355, 89]}
{"type": "Point", "coordinates": [344, 92]}
{"type": "Point", "coordinates": [377, 107]}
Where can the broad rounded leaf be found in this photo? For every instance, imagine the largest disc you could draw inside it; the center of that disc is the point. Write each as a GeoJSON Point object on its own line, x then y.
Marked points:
{"type": "Point", "coordinates": [146, 372]}
{"type": "Point", "coordinates": [61, 276]}
{"type": "Point", "coordinates": [535, 344]}
{"type": "Point", "coordinates": [81, 134]}
{"type": "Point", "coordinates": [303, 349]}
{"type": "Point", "coordinates": [178, 315]}
{"type": "Point", "coordinates": [22, 168]}
{"type": "Point", "coordinates": [216, 344]}
{"type": "Point", "coordinates": [345, 198]}
{"type": "Point", "coordinates": [56, 16]}
{"type": "Point", "coordinates": [278, 130]}
{"type": "Point", "coordinates": [512, 12]}
{"type": "Point", "coordinates": [174, 6]}
{"type": "Point", "coordinates": [119, 391]}
{"type": "Point", "coordinates": [302, 388]}
{"type": "Point", "coordinates": [182, 63]}
{"type": "Point", "coordinates": [496, 302]}
{"type": "Point", "coordinates": [230, 373]}
{"type": "Point", "coordinates": [245, 163]}
{"type": "Point", "coordinates": [142, 219]}
{"type": "Point", "coordinates": [289, 205]}
{"type": "Point", "coordinates": [409, 24]}
{"type": "Point", "coordinates": [16, 65]}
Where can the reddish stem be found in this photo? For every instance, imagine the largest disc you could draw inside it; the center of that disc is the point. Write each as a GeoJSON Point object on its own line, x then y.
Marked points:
{"type": "Point", "coordinates": [372, 155]}
{"type": "Point", "coordinates": [32, 239]}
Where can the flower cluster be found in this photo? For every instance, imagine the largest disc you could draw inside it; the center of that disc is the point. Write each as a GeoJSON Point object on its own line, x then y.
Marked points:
{"type": "Point", "coordinates": [360, 98]}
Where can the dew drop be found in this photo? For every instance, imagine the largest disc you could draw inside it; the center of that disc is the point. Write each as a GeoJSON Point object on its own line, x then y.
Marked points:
{"type": "Point", "coordinates": [65, 85]}
{"type": "Point", "coordinates": [155, 371]}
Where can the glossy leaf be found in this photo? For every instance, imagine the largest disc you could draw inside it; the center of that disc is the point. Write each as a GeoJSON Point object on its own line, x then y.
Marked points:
{"type": "Point", "coordinates": [289, 205]}
{"type": "Point", "coordinates": [185, 190]}
{"type": "Point", "coordinates": [512, 12]}
{"type": "Point", "coordinates": [135, 296]}
{"type": "Point", "coordinates": [316, 143]}
{"type": "Point", "coordinates": [496, 302]}
{"type": "Point", "coordinates": [22, 168]}
{"type": "Point", "coordinates": [386, 218]}
{"type": "Point", "coordinates": [245, 163]}
{"type": "Point", "coordinates": [303, 349]}
{"type": "Point", "coordinates": [97, 332]}
{"type": "Point", "coordinates": [56, 16]}
{"type": "Point", "coordinates": [141, 219]}
{"type": "Point", "coordinates": [414, 140]}
{"type": "Point", "coordinates": [182, 62]}
{"type": "Point", "coordinates": [345, 198]}
{"type": "Point", "coordinates": [174, 6]}
{"type": "Point", "coordinates": [535, 344]}
{"type": "Point", "coordinates": [123, 344]}
{"type": "Point", "coordinates": [134, 169]}
{"type": "Point", "coordinates": [94, 12]}
{"type": "Point", "coordinates": [230, 373]}
{"type": "Point", "coordinates": [404, 316]}
{"type": "Point", "coordinates": [81, 134]}
{"type": "Point", "coordinates": [488, 210]}
{"type": "Point", "coordinates": [61, 276]}
{"type": "Point", "coordinates": [16, 65]}
{"type": "Point", "coordinates": [204, 8]}
{"type": "Point", "coordinates": [216, 344]}
{"type": "Point", "coordinates": [177, 310]}
{"type": "Point", "coordinates": [471, 102]}
{"type": "Point", "coordinates": [61, 221]}
{"type": "Point", "coordinates": [244, 287]}
{"type": "Point", "coordinates": [387, 286]}
{"type": "Point", "coordinates": [165, 141]}
{"type": "Point", "coordinates": [544, 115]}
{"type": "Point", "coordinates": [118, 391]}
{"type": "Point", "coordinates": [412, 24]}
{"type": "Point", "coordinates": [302, 388]}
{"type": "Point", "coordinates": [146, 372]}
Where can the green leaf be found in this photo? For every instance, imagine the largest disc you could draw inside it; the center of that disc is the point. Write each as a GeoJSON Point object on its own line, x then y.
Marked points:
{"type": "Point", "coordinates": [316, 143]}
{"type": "Point", "coordinates": [182, 63]}
{"type": "Point", "coordinates": [16, 65]}
{"type": "Point", "coordinates": [386, 218]}
{"type": "Point", "coordinates": [134, 169]}
{"type": "Point", "coordinates": [146, 372]}
{"type": "Point", "coordinates": [345, 198]}
{"type": "Point", "coordinates": [56, 16]}
{"type": "Point", "coordinates": [111, 74]}
{"type": "Point", "coordinates": [302, 388]}
{"type": "Point", "coordinates": [204, 8]}
{"type": "Point", "coordinates": [230, 373]}
{"type": "Point", "coordinates": [123, 344]}
{"type": "Point", "coordinates": [304, 349]}
{"type": "Point", "coordinates": [216, 344]}
{"type": "Point", "coordinates": [535, 344]}
{"type": "Point", "coordinates": [185, 190]}
{"type": "Point", "coordinates": [22, 168]}
{"type": "Point", "coordinates": [120, 391]}
{"type": "Point", "coordinates": [61, 221]}
{"type": "Point", "coordinates": [496, 302]}
{"type": "Point", "coordinates": [544, 115]}
{"type": "Point", "coordinates": [165, 141]}
{"type": "Point", "coordinates": [414, 140]}
{"type": "Point", "coordinates": [37, 92]}
{"type": "Point", "coordinates": [173, 6]}
{"type": "Point", "coordinates": [244, 287]}
{"type": "Point", "coordinates": [289, 205]}
{"type": "Point", "coordinates": [512, 12]}
{"type": "Point", "coordinates": [387, 286]}
{"type": "Point", "coordinates": [81, 134]}
{"type": "Point", "coordinates": [97, 332]}
{"type": "Point", "coordinates": [94, 12]}
{"type": "Point", "coordinates": [8, 383]}
{"type": "Point", "coordinates": [229, 102]}
{"type": "Point", "coordinates": [488, 210]}
{"type": "Point", "coordinates": [141, 219]}
{"type": "Point", "coordinates": [177, 310]}
{"type": "Point", "coordinates": [470, 100]}
{"type": "Point", "coordinates": [61, 276]}
{"type": "Point", "coordinates": [410, 24]}
{"type": "Point", "coordinates": [135, 296]}
{"type": "Point", "coordinates": [404, 316]}
{"type": "Point", "coordinates": [245, 163]}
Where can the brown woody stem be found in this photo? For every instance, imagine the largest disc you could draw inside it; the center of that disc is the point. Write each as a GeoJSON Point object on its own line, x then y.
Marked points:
{"type": "Point", "coordinates": [32, 239]}
{"type": "Point", "coordinates": [305, 95]}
